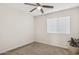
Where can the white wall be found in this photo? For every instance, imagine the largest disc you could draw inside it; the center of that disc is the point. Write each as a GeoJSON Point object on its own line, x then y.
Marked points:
{"type": "Point", "coordinates": [57, 39]}
{"type": "Point", "coordinates": [16, 28]}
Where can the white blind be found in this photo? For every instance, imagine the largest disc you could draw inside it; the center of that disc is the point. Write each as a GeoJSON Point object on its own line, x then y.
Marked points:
{"type": "Point", "coordinates": [58, 25]}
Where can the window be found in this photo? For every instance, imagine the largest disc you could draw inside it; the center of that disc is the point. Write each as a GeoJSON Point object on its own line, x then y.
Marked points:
{"type": "Point", "coordinates": [58, 25]}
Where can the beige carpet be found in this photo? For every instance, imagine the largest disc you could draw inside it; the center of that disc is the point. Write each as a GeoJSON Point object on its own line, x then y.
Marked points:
{"type": "Point", "coordinates": [36, 48]}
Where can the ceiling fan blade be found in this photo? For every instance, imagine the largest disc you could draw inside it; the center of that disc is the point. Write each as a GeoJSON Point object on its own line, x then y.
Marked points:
{"type": "Point", "coordinates": [33, 9]}
{"type": "Point", "coordinates": [46, 6]}
{"type": "Point", "coordinates": [38, 4]}
{"type": "Point", "coordinates": [30, 4]}
{"type": "Point", "coordinates": [41, 10]}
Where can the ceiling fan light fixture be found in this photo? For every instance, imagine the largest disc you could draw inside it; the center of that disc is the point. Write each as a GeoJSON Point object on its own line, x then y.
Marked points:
{"type": "Point", "coordinates": [39, 7]}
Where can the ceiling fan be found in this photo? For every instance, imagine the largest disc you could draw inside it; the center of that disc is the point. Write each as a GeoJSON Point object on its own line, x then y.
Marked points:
{"type": "Point", "coordinates": [38, 6]}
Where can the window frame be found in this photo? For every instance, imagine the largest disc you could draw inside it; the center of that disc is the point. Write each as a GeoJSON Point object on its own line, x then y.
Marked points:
{"type": "Point", "coordinates": [59, 18]}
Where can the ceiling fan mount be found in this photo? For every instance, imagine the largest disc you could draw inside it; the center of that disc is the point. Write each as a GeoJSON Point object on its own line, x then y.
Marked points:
{"type": "Point", "coordinates": [38, 6]}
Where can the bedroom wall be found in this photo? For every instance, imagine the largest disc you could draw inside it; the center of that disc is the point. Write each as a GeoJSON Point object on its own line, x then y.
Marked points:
{"type": "Point", "coordinates": [16, 28]}
{"type": "Point", "coordinates": [57, 39]}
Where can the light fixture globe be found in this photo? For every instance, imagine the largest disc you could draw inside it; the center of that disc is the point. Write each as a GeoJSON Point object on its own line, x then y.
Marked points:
{"type": "Point", "coordinates": [39, 7]}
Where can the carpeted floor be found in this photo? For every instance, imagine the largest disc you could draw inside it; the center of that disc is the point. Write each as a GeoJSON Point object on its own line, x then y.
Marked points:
{"type": "Point", "coordinates": [36, 48]}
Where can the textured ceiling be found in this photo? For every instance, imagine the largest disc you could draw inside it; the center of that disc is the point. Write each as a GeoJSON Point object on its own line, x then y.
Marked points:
{"type": "Point", "coordinates": [27, 8]}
